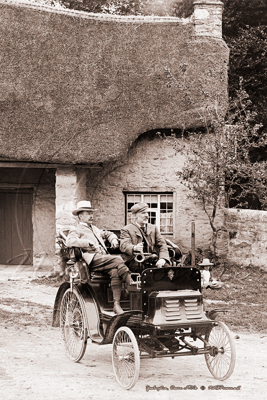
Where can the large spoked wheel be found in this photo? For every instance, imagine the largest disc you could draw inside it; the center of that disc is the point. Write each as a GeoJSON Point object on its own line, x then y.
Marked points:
{"type": "Point", "coordinates": [221, 361]}
{"type": "Point", "coordinates": [72, 323]}
{"type": "Point", "coordinates": [125, 357]}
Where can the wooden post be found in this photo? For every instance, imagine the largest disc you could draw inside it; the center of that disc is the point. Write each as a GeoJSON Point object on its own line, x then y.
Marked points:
{"type": "Point", "coordinates": [193, 249]}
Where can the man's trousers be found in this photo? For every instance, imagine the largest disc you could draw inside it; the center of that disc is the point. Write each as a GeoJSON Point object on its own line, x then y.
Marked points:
{"type": "Point", "coordinates": [112, 265]}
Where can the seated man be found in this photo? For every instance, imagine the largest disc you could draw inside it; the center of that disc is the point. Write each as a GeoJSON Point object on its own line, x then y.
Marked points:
{"type": "Point", "coordinates": [90, 239]}
{"type": "Point", "coordinates": [140, 236]}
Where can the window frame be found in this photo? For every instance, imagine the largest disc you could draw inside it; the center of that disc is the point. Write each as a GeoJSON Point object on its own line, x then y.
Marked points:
{"type": "Point", "coordinates": [142, 194]}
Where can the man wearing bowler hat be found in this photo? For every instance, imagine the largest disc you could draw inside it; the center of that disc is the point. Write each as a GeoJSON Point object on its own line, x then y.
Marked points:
{"type": "Point", "coordinates": [91, 241]}
{"type": "Point", "coordinates": [140, 236]}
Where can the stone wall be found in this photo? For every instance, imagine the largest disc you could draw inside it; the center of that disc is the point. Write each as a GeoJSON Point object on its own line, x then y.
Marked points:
{"type": "Point", "coordinates": [42, 181]}
{"type": "Point", "coordinates": [150, 166]}
{"type": "Point", "coordinates": [247, 237]}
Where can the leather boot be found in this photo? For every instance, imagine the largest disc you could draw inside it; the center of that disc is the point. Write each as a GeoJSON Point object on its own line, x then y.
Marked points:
{"type": "Point", "coordinates": [117, 308]}
{"type": "Point", "coordinates": [116, 298]}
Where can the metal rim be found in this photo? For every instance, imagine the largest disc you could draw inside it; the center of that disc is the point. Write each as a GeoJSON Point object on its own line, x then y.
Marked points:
{"type": "Point", "coordinates": [72, 323]}
{"type": "Point", "coordinates": [125, 357]}
{"type": "Point", "coordinates": [221, 362]}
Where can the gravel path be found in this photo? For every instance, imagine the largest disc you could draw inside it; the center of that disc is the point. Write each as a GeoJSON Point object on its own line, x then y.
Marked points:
{"type": "Point", "coordinates": [34, 365]}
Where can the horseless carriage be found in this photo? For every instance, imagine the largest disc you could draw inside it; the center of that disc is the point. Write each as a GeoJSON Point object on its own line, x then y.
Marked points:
{"type": "Point", "coordinates": [163, 312]}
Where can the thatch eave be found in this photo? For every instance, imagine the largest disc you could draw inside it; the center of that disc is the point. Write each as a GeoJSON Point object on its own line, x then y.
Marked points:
{"type": "Point", "coordinates": [79, 89]}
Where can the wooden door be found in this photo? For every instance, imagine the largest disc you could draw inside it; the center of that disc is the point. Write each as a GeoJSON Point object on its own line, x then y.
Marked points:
{"type": "Point", "coordinates": [16, 233]}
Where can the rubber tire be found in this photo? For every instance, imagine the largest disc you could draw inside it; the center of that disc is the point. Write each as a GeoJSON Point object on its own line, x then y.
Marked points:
{"type": "Point", "coordinates": [127, 362]}
{"type": "Point", "coordinates": [72, 324]}
{"type": "Point", "coordinates": [220, 336]}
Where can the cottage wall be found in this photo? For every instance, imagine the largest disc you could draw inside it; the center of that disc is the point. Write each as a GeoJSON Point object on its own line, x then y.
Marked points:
{"type": "Point", "coordinates": [247, 237]}
{"type": "Point", "coordinates": [78, 89]}
{"type": "Point", "coordinates": [149, 166]}
{"type": "Point", "coordinates": [70, 188]}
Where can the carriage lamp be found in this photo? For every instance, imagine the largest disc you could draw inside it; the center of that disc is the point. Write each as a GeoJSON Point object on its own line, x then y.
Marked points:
{"type": "Point", "coordinates": [74, 271]}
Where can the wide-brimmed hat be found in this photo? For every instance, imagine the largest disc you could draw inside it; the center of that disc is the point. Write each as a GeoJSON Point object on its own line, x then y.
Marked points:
{"type": "Point", "coordinates": [83, 206]}
{"type": "Point", "coordinates": [205, 263]}
{"type": "Point", "coordinates": [138, 207]}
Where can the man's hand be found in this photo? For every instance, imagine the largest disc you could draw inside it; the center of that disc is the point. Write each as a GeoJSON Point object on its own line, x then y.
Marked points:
{"type": "Point", "coordinates": [138, 248]}
{"type": "Point", "coordinates": [161, 262]}
{"type": "Point", "coordinates": [91, 245]}
{"type": "Point", "coordinates": [114, 244]}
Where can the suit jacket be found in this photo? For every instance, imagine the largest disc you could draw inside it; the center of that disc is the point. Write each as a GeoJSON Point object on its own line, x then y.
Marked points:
{"type": "Point", "coordinates": [131, 236]}
{"type": "Point", "coordinates": [80, 236]}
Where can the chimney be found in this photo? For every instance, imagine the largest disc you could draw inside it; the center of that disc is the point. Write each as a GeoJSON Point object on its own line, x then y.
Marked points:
{"type": "Point", "coordinates": [208, 18]}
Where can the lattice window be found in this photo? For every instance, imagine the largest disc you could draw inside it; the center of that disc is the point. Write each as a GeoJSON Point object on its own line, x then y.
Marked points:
{"type": "Point", "coordinates": [160, 209]}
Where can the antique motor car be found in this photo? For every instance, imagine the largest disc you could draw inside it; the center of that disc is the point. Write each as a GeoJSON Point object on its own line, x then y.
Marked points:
{"type": "Point", "coordinates": [163, 317]}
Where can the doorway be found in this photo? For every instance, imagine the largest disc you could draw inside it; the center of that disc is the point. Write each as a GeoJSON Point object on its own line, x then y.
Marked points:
{"type": "Point", "coordinates": [16, 231]}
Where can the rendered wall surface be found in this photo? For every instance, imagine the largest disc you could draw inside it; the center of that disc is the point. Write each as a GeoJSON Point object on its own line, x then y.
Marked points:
{"type": "Point", "coordinates": [42, 181]}
{"type": "Point", "coordinates": [70, 188]}
{"type": "Point", "coordinates": [247, 237]}
{"type": "Point", "coordinates": [150, 166]}
{"type": "Point", "coordinates": [80, 88]}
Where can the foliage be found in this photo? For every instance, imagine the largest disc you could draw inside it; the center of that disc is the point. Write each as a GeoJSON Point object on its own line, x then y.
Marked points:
{"type": "Point", "coordinates": [218, 168]}
{"type": "Point", "coordinates": [245, 32]}
{"type": "Point", "coordinates": [243, 14]}
{"type": "Point", "coordinates": [122, 7]}
{"type": "Point", "coordinates": [84, 5]}
{"type": "Point", "coordinates": [248, 59]}
{"type": "Point", "coordinates": [183, 8]}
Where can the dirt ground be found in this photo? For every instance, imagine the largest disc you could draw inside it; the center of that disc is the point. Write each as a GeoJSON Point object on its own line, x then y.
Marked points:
{"type": "Point", "coordinates": [34, 365]}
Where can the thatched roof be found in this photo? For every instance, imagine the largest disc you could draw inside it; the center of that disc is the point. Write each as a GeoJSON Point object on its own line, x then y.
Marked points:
{"type": "Point", "coordinates": [80, 88]}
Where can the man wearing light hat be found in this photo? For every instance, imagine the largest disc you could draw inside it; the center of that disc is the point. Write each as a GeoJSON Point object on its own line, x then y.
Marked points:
{"type": "Point", "coordinates": [139, 234]}
{"type": "Point", "coordinates": [91, 240]}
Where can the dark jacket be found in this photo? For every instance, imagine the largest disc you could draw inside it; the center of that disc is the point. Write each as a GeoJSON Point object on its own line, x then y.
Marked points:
{"type": "Point", "coordinates": [131, 236]}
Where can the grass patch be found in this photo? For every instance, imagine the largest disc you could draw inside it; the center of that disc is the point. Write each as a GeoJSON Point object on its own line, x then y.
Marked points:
{"type": "Point", "coordinates": [244, 292]}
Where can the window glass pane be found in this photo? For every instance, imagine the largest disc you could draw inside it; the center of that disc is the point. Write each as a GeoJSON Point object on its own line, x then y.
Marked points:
{"type": "Point", "coordinates": [169, 206]}
{"type": "Point", "coordinates": [170, 197]}
{"type": "Point", "coordinates": [154, 205]}
{"type": "Point", "coordinates": [137, 198]}
{"type": "Point", "coordinates": [129, 205]}
{"type": "Point", "coordinates": [163, 207]}
{"type": "Point", "coordinates": [147, 198]}
{"type": "Point", "coordinates": [130, 198]}
{"type": "Point", "coordinates": [162, 198]}
{"type": "Point", "coordinates": [152, 217]}
{"type": "Point", "coordinates": [168, 215]}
